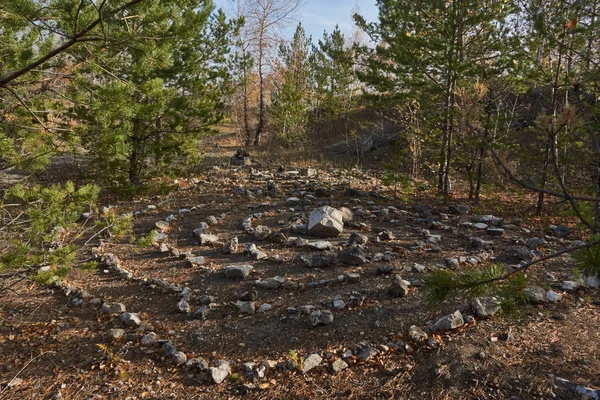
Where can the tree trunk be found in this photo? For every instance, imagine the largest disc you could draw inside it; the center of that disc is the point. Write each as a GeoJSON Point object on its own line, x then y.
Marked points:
{"type": "Point", "coordinates": [261, 98]}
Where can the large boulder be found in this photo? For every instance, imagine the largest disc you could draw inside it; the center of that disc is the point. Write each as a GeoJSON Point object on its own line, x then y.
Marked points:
{"type": "Point", "coordinates": [326, 222]}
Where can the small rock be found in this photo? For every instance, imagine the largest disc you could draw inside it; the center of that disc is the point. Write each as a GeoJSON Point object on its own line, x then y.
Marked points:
{"type": "Point", "coordinates": [385, 269]}
{"type": "Point", "coordinates": [116, 333]}
{"type": "Point", "coordinates": [265, 307]}
{"type": "Point", "coordinates": [320, 260]}
{"type": "Point", "coordinates": [339, 365]}
{"type": "Point", "coordinates": [552, 296]}
{"type": "Point", "coordinates": [148, 340]}
{"type": "Point", "coordinates": [353, 255]}
{"type": "Point", "coordinates": [399, 287]}
{"type": "Point", "coordinates": [535, 294]}
{"type": "Point", "coordinates": [162, 226]}
{"type": "Point", "coordinates": [246, 307]}
{"type": "Point", "coordinates": [485, 307]}
{"type": "Point", "coordinates": [237, 271]}
{"type": "Point", "coordinates": [206, 238]}
{"type": "Point", "coordinates": [306, 310]}
{"type": "Point", "coordinates": [220, 371]}
{"type": "Point", "coordinates": [117, 308]}
{"type": "Point", "coordinates": [358, 238]}
{"type": "Point", "coordinates": [179, 358]}
{"type": "Point", "coordinates": [319, 317]}
{"type": "Point", "coordinates": [326, 222]}
{"type": "Point", "coordinates": [231, 246]}
{"type": "Point", "coordinates": [183, 306]}
{"type": "Point", "coordinates": [311, 361]}
{"type": "Point", "coordinates": [364, 352]}
{"type": "Point", "coordinates": [201, 313]}
{"type": "Point", "coordinates": [417, 334]}
{"type": "Point", "coordinates": [130, 319]}
{"type": "Point", "coordinates": [449, 322]}
{"type": "Point", "coordinates": [347, 214]}
{"type": "Point", "coordinates": [196, 261]}
{"type": "Point", "coordinates": [261, 232]}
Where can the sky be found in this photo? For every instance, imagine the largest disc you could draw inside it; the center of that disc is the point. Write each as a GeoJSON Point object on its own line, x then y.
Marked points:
{"type": "Point", "coordinates": [320, 15]}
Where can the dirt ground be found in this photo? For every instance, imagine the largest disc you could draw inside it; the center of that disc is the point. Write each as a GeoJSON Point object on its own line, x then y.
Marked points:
{"type": "Point", "coordinates": [51, 347]}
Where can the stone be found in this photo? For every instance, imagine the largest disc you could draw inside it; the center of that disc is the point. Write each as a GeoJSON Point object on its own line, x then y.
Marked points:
{"type": "Point", "coordinates": [321, 245]}
{"type": "Point", "coordinates": [417, 334]}
{"type": "Point", "coordinates": [485, 307]}
{"type": "Point", "coordinates": [220, 371]}
{"type": "Point", "coordinates": [196, 261]}
{"type": "Point", "coordinates": [250, 248]}
{"type": "Point", "coordinates": [149, 339]}
{"type": "Point", "coordinates": [311, 361]}
{"type": "Point", "coordinates": [96, 301]}
{"type": "Point", "coordinates": [358, 238]}
{"type": "Point", "coordinates": [246, 307]}
{"type": "Point", "coordinates": [163, 248]}
{"type": "Point", "coordinates": [237, 271]}
{"type": "Point", "coordinates": [179, 358]}
{"type": "Point", "coordinates": [452, 263]}
{"type": "Point", "coordinates": [495, 231]}
{"type": "Point", "coordinates": [306, 309]}
{"type": "Point", "coordinates": [478, 243]}
{"type": "Point", "coordinates": [231, 246]}
{"type": "Point", "coordinates": [516, 254]}
{"type": "Point", "coordinates": [385, 269]}
{"type": "Point", "coordinates": [183, 306]}
{"type": "Point", "coordinates": [353, 277]}
{"type": "Point", "coordinates": [592, 281]}
{"type": "Point", "coordinates": [347, 214]}
{"type": "Point", "coordinates": [570, 286]}
{"type": "Point", "coordinates": [271, 284]}
{"type": "Point", "coordinates": [459, 209]}
{"type": "Point", "coordinates": [399, 287]}
{"type": "Point", "coordinates": [116, 308]}
{"type": "Point", "coordinates": [535, 243]}
{"type": "Point", "coordinates": [480, 225]}
{"type": "Point", "coordinates": [560, 231]}
{"type": "Point", "coordinates": [199, 364]}
{"type": "Point", "coordinates": [212, 220]}
{"type": "Point", "coordinates": [202, 229]}
{"type": "Point", "coordinates": [535, 295]}
{"type": "Point", "coordinates": [353, 255]}
{"type": "Point", "coordinates": [320, 260]}
{"type": "Point", "coordinates": [265, 307]}
{"type": "Point", "coordinates": [326, 222]}
{"type": "Point", "coordinates": [130, 319]}
{"type": "Point", "coordinates": [552, 296]}
{"type": "Point", "coordinates": [364, 352]}
{"type": "Point", "coordinates": [116, 333]}
{"type": "Point", "coordinates": [318, 317]}
{"type": "Point", "coordinates": [339, 365]}
{"type": "Point", "coordinates": [162, 226]}
{"type": "Point", "coordinates": [293, 201]}
{"type": "Point", "coordinates": [206, 238]}
{"type": "Point", "coordinates": [261, 232]}
{"type": "Point", "coordinates": [201, 313]}
{"type": "Point", "coordinates": [386, 235]}
{"type": "Point", "coordinates": [449, 322]}
{"type": "Point", "coordinates": [308, 172]}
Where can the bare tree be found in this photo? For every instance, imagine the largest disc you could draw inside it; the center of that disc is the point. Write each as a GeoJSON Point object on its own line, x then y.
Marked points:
{"type": "Point", "coordinates": [265, 21]}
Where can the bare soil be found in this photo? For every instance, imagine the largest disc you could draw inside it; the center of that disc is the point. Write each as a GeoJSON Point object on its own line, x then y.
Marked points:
{"type": "Point", "coordinates": [50, 347]}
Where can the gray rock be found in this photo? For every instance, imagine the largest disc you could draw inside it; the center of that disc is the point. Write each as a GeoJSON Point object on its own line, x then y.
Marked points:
{"type": "Point", "coordinates": [552, 296]}
{"type": "Point", "coordinates": [535, 295]}
{"type": "Point", "coordinates": [168, 347]}
{"type": "Point", "coordinates": [96, 301]}
{"type": "Point", "coordinates": [231, 246]}
{"type": "Point", "coordinates": [326, 222]}
{"type": "Point", "coordinates": [399, 287]}
{"type": "Point", "coordinates": [265, 307]}
{"type": "Point", "coordinates": [386, 235]}
{"type": "Point", "coordinates": [320, 260]}
{"type": "Point", "coordinates": [448, 323]}
{"type": "Point", "coordinates": [202, 229]}
{"type": "Point", "coordinates": [347, 214]}
{"type": "Point", "coordinates": [353, 255]}
{"type": "Point", "coordinates": [358, 238]}
{"type": "Point", "coordinates": [311, 361]}
{"type": "Point", "coordinates": [324, 317]}
{"type": "Point", "coordinates": [199, 364]}
{"type": "Point", "coordinates": [179, 358]}
{"type": "Point", "coordinates": [570, 390]}
{"type": "Point", "coordinates": [306, 309]}
{"type": "Point", "coordinates": [452, 263]}
{"type": "Point", "coordinates": [271, 284]}
{"type": "Point", "coordinates": [459, 209]}
{"type": "Point", "coordinates": [385, 269]}
{"type": "Point", "coordinates": [261, 232]}
{"type": "Point", "coordinates": [162, 226]}
{"type": "Point", "coordinates": [148, 340]}
{"type": "Point", "coordinates": [201, 313]}
{"type": "Point", "coordinates": [339, 365]}
{"type": "Point", "coordinates": [117, 308]}
{"type": "Point", "coordinates": [570, 286]}
{"type": "Point", "coordinates": [481, 226]}
{"type": "Point", "coordinates": [293, 201]}
{"type": "Point", "coordinates": [206, 238]}
{"type": "Point", "coordinates": [212, 220]}
{"type": "Point", "coordinates": [183, 306]}
{"type": "Point", "coordinates": [560, 231]}
{"type": "Point", "coordinates": [130, 319]}
{"type": "Point", "coordinates": [353, 277]}
{"type": "Point", "coordinates": [495, 231]}
{"type": "Point", "coordinates": [417, 334]}
{"type": "Point", "coordinates": [196, 261]}
{"type": "Point", "coordinates": [485, 307]}
{"type": "Point", "coordinates": [535, 243]}
{"type": "Point", "coordinates": [237, 271]}
{"type": "Point", "coordinates": [116, 333]}
{"type": "Point", "coordinates": [321, 245]}
{"type": "Point", "coordinates": [220, 371]}
{"type": "Point", "coordinates": [516, 254]}
{"type": "Point", "coordinates": [246, 307]}
{"type": "Point", "coordinates": [364, 352]}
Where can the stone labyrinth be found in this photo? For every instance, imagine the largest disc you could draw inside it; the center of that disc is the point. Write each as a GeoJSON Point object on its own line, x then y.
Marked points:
{"type": "Point", "coordinates": [258, 273]}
